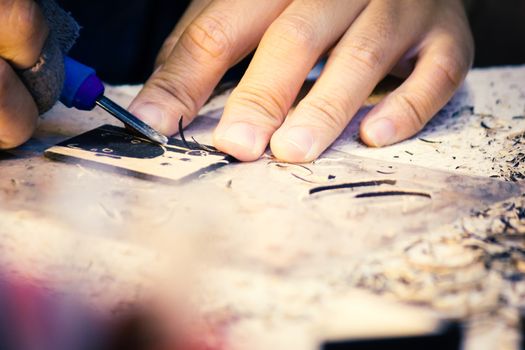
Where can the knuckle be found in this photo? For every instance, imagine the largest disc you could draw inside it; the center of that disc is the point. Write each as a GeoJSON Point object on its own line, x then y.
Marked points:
{"type": "Point", "coordinates": [453, 70]}
{"type": "Point", "coordinates": [414, 108]}
{"type": "Point", "coordinates": [208, 37]}
{"type": "Point", "coordinates": [175, 88]}
{"type": "Point", "coordinates": [296, 30]}
{"type": "Point", "coordinates": [269, 102]}
{"type": "Point", "coordinates": [328, 111]}
{"type": "Point", "coordinates": [366, 52]}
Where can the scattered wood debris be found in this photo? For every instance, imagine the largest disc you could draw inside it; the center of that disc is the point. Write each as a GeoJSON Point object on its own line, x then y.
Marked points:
{"type": "Point", "coordinates": [474, 265]}
{"type": "Point", "coordinates": [351, 185]}
{"type": "Point", "coordinates": [428, 141]}
{"type": "Point", "coordinates": [393, 193]}
{"type": "Point", "coordinates": [510, 162]}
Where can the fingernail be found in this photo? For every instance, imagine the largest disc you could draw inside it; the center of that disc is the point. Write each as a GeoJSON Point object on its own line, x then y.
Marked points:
{"type": "Point", "coordinates": [301, 139]}
{"type": "Point", "coordinates": [241, 135]}
{"type": "Point", "coordinates": [381, 132]}
{"type": "Point", "coordinates": [149, 114]}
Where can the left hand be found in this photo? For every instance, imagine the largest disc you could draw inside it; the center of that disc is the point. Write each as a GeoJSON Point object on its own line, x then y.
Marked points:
{"type": "Point", "coordinates": [23, 32]}
{"type": "Point", "coordinates": [428, 41]}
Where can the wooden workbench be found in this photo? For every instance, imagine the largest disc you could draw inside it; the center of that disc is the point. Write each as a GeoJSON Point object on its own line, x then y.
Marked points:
{"type": "Point", "coordinates": [277, 264]}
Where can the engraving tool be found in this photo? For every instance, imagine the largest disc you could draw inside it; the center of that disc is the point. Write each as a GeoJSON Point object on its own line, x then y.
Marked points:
{"type": "Point", "coordinates": [84, 90]}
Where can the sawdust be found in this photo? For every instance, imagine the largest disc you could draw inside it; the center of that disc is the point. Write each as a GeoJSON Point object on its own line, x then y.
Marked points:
{"type": "Point", "coordinates": [511, 159]}
{"type": "Point", "coordinates": [473, 266]}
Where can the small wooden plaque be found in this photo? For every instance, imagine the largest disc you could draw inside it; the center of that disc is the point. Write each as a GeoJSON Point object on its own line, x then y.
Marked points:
{"type": "Point", "coordinates": [116, 149]}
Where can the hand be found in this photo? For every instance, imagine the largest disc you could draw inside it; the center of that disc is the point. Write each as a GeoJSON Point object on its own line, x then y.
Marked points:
{"type": "Point", "coordinates": [427, 41]}
{"type": "Point", "coordinates": [23, 31]}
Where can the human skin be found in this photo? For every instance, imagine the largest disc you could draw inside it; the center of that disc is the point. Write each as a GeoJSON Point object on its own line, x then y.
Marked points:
{"type": "Point", "coordinates": [23, 31]}
{"type": "Point", "coordinates": [428, 42]}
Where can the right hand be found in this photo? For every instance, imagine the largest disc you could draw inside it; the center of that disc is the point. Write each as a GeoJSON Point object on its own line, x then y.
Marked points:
{"type": "Point", "coordinates": [428, 42]}
{"type": "Point", "coordinates": [23, 32]}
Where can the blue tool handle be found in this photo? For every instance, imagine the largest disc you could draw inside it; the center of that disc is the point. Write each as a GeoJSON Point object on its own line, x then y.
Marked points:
{"type": "Point", "coordinates": [82, 87]}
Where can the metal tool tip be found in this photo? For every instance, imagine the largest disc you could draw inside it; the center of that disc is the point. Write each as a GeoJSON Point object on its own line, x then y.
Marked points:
{"type": "Point", "coordinates": [159, 138]}
{"type": "Point", "coordinates": [131, 121]}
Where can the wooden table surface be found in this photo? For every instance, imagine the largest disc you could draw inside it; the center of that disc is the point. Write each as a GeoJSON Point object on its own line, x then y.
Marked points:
{"type": "Point", "coordinates": [274, 261]}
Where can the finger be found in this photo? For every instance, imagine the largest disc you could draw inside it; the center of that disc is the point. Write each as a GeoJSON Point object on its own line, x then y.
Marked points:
{"type": "Point", "coordinates": [365, 54]}
{"type": "Point", "coordinates": [439, 72]}
{"type": "Point", "coordinates": [18, 112]}
{"type": "Point", "coordinates": [287, 52]}
{"type": "Point", "coordinates": [193, 10]}
{"type": "Point", "coordinates": [222, 34]}
{"type": "Point", "coordinates": [23, 32]}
